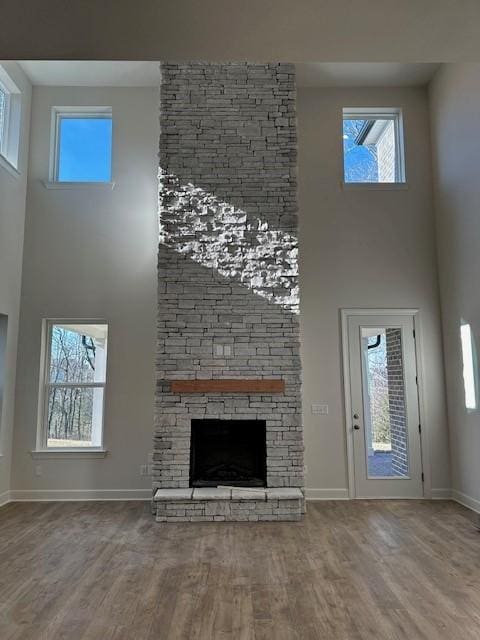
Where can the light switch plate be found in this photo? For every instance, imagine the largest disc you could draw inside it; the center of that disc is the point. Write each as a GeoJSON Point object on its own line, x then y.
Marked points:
{"type": "Point", "coordinates": [223, 350]}
{"type": "Point", "coordinates": [320, 409]}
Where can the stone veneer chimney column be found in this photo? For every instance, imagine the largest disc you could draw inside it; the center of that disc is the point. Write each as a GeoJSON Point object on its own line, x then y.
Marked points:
{"type": "Point", "coordinates": [228, 272]}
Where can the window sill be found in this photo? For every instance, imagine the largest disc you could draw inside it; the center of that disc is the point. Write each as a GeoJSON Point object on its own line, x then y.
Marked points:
{"type": "Point", "coordinates": [68, 454]}
{"type": "Point", "coordinates": [8, 166]}
{"type": "Point", "coordinates": [105, 186]}
{"type": "Point", "coordinates": [374, 186]}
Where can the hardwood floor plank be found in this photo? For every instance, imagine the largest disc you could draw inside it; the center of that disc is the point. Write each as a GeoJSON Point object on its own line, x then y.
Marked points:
{"type": "Point", "coordinates": [386, 570]}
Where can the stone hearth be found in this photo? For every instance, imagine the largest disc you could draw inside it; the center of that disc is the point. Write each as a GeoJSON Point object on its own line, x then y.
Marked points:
{"type": "Point", "coordinates": [228, 283]}
{"type": "Point", "coordinates": [222, 504]}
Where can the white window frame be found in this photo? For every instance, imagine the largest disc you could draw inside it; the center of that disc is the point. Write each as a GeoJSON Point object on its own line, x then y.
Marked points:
{"type": "Point", "coordinates": [45, 385]}
{"type": "Point", "coordinates": [10, 139]}
{"type": "Point", "coordinates": [73, 112]}
{"type": "Point", "coordinates": [380, 113]}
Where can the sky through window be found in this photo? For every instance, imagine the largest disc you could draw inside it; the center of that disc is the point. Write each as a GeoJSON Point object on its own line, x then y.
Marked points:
{"type": "Point", "coordinates": [85, 149]}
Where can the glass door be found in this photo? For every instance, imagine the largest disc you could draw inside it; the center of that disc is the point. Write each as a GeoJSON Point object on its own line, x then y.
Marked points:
{"type": "Point", "coordinates": [384, 400]}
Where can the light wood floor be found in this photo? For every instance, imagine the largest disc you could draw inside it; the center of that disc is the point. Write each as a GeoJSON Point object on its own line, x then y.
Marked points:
{"type": "Point", "coordinates": [351, 570]}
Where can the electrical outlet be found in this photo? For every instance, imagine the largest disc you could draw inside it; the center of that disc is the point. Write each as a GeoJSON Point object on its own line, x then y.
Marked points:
{"type": "Point", "coordinates": [149, 469]}
{"type": "Point", "coordinates": [320, 409]}
{"type": "Point", "coordinates": [143, 469]}
{"type": "Point", "coordinates": [150, 458]}
{"type": "Point", "coordinates": [38, 470]}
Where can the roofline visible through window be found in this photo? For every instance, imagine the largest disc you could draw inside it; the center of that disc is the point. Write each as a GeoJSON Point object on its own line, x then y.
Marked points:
{"type": "Point", "coordinates": [380, 113]}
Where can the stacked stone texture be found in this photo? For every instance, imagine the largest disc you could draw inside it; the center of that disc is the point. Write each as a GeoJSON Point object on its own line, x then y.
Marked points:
{"type": "Point", "coordinates": [228, 510]}
{"type": "Point", "coordinates": [228, 259]}
{"type": "Point", "coordinates": [396, 401]}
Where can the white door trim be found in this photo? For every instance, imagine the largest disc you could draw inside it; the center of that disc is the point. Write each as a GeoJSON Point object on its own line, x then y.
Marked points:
{"type": "Point", "coordinates": [425, 453]}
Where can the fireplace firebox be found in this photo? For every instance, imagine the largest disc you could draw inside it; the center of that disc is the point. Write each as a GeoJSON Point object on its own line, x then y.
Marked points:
{"type": "Point", "coordinates": [228, 452]}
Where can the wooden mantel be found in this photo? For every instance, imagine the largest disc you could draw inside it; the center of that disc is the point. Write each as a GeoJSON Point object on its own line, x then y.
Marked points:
{"type": "Point", "coordinates": [239, 385]}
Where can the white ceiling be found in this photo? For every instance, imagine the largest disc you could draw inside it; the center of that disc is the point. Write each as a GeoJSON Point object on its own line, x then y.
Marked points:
{"type": "Point", "coordinates": [364, 74]}
{"type": "Point", "coordinates": [92, 74]}
{"type": "Point", "coordinates": [146, 74]}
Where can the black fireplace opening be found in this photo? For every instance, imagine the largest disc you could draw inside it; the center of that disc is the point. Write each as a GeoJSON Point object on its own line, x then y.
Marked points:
{"type": "Point", "coordinates": [228, 452]}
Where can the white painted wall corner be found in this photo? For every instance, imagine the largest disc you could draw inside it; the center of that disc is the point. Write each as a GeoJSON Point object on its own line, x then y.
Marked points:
{"type": "Point", "coordinates": [466, 501]}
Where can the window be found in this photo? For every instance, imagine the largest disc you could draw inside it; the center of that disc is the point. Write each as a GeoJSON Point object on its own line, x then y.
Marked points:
{"type": "Point", "coordinates": [74, 384]}
{"type": "Point", "coordinates": [81, 144]}
{"type": "Point", "coordinates": [468, 357]}
{"type": "Point", "coordinates": [10, 119]}
{"type": "Point", "coordinates": [3, 113]}
{"type": "Point", "coordinates": [373, 146]}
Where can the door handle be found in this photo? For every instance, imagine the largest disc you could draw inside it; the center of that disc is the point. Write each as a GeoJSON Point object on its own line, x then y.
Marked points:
{"type": "Point", "coordinates": [356, 427]}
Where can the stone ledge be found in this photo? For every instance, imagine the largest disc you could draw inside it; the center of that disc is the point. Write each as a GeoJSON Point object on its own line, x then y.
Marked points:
{"type": "Point", "coordinates": [224, 493]}
{"type": "Point", "coordinates": [284, 493]}
{"type": "Point", "coordinates": [173, 494]}
{"type": "Point", "coordinates": [212, 493]}
{"type": "Point", "coordinates": [241, 493]}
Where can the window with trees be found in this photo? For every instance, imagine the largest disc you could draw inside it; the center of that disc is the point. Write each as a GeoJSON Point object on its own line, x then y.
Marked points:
{"type": "Point", "coordinates": [373, 146]}
{"type": "Point", "coordinates": [74, 385]}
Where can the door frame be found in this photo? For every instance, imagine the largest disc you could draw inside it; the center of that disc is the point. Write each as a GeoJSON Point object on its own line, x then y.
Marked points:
{"type": "Point", "coordinates": [345, 314]}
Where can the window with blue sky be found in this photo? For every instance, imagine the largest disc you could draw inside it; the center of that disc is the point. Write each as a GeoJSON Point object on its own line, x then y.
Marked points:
{"type": "Point", "coordinates": [84, 148]}
{"type": "Point", "coordinates": [360, 161]}
{"type": "Point", "coordinates": [372, 147]}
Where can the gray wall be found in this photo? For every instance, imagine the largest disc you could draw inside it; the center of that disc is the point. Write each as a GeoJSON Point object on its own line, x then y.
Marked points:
{"type": "Point", "coordinates": [106, 245]}
{"type": "Point", "coordinates": [455, 109]}
{"type": "Point", "coordinates": [369, 248]}
{"type": "Point", "coordinates": [12, 217]}
{"type": "Point", "coordinates": [91, 253]}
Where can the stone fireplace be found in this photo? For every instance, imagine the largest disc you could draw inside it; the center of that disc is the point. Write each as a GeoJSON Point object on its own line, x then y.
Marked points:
{"type": "Point", "coordinates": [228, 441]}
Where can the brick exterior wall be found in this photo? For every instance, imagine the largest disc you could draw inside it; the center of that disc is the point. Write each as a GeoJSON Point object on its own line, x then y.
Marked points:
{"type": "Point", "coordinates": [228, 258]}
{"type": "Point", "coordinates": [386, 154]}
{"type": "Point", "coordinates": [396, 400]}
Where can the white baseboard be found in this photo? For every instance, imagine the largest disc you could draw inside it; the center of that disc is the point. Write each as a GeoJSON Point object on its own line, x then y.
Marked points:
{"type": "Point", "coordinates": [342, 494]}
{"type": "Point", "coordinates": [466, 501]}
{"type": "Point", "coordinates": [4, 498]}
{"type": "Point", "coordinates": [67, 495]}
{"type": "Point", "coordinates": [327, 494]}
{"type": "Point", "coordinates": [441, 494]}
